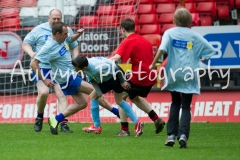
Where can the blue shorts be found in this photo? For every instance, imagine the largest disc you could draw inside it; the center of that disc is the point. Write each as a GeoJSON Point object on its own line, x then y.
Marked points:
{"type": "Point", "coordinates": [44, 71]}
{"type": "Point", "coordinates": [72, 86]}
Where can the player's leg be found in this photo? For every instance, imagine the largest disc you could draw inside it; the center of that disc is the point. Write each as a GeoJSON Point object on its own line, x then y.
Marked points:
{"type": "Point", "coordinates": [43, 92]}
{"type": "Point", "coordinates": [105, 105]}
{"type": "Point", "coordinates": [96, 126]}
{"type": "Point", "coordinates": [73, 88]}
{"type": "Point", "coordinates": [124, 123]}
{"type": "Point", "coordinates": [62, 105]}
{"type": "Point", "coordinates": [129, 112]}
{"type": "Point", "coordinates": [134, 95]}
{"type": "Point", "coordinates": [184, 126]}
{"type": "Point", "coordinates": [173, 120]}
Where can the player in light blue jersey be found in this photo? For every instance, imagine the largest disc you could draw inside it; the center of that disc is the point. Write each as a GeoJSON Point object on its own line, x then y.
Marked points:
{"type": "Point", "coordinates": [185, 49]}
{"type": "Point", "coordinates": [56, 52]}
{"type": "Point", "coordinates": [105, 76]}
{"type": "Point", "coordinates": [32, 43]}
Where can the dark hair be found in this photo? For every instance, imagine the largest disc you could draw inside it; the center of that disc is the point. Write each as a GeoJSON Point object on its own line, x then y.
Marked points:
{"type": "Point", "coordinates": [128, 24]}
{"type": "Point", "coordinates": [57, 27]}
{"type": "Point", "coordinates": [80, 62]}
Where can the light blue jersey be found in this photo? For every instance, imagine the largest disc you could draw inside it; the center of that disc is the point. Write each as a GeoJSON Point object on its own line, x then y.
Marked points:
{"type": "Point", "coordinates": [185, 48]}
{"type": "Point", "coordinates": [59, 57]}
{"type": "Point", "coordinates": [39, 35]}
{"type": "Point", "coordinates": [98, 66]}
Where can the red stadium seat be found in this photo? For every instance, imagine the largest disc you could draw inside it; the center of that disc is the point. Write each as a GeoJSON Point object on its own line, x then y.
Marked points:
{"type": "Point", "coordinates": [9, 12]}
{"type": "Point", "coordinates": [166, 27]}
{"type": "Point", "coordinates": [146, 9]}
{"type": "Point", "coordinates": [146, 1]}
{"type": "Point", "coordinates": [8, 3]}
{"type": "Point", "coordinates": [165, 8]}
{"type": "Point", "coordinates": [108, 21]}
{"type": "Point", "coordinates": [150, 29]}
{"type": "Point", "coordinates": [148, 19]}
{"type": "Point", "coordinates": [202, 1]}
{"type": "Point", "coordinates": [88, 21]}
{"type": "Point", "coordinates": [106, 10]}
{"type": "Point", "coordinates": [186, 1]}
{"type": "Point", "coordinates": [223, 11]}
{"type": "Point", "coordinates": [162, 1]}
{"type": "Point", "coordinates": [137, 29]}
{"type": "Point", "coordinates": [126, 2]}
{"type": "Point", "coordinates": [125, 9]}
{"type": "Point", "coordinates": [133, 17]}
{"type": "Point", "coordinates": [27, 3]}
{"type": "Point", "coordinates": [190, 6]}
{"type": "Point", "coordinates": [232, 5]}
{"type": "Point", "coordinates": [207, 8]}
{"type": "Point", "coordinates": [195, 19]}
{"type": "Point", "coordinates": [205, 20]}
{"type": "Point", "coordinates": [11, 24]}
{"type": "Point", "coordinates": [165, 18]}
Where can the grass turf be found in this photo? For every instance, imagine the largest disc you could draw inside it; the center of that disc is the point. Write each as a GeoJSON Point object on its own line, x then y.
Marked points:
{"type": "Point", "coordinates": [208, 141]}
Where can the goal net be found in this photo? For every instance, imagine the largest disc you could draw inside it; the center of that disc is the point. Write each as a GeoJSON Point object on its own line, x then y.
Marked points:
{"type": "Point", "coordinates": [99, 18]}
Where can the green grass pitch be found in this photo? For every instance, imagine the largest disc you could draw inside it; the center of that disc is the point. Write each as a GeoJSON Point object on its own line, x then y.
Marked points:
{"type": "Point", "coordinates": [208, 141]}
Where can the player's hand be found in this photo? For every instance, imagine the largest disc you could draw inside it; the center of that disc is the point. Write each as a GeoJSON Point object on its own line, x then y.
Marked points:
{"type": "Point", "coordinates": [203, 60]}
{"type": "Point", "coordinates": [34, 54]}
{"type": "Point", "coordinates": [126, 85]}
{"type": "Point", "coordinates": [48, 83]}
{"type": "Point", "coordinates": [151, 67]}
{"type": "Point", "coordinates": [80, 31]}
{"type": "Point", "coordinates": [93, 95]}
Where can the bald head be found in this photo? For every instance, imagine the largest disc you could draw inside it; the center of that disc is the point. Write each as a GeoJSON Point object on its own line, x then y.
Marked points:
{"type": "Point", "coordinates": [55, 15]}
{"type": "Point", "coordinates": [182, 17]}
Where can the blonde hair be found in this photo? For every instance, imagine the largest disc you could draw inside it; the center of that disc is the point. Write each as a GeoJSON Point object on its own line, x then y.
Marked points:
{"type": "Point", "coordinates": [182, 17]}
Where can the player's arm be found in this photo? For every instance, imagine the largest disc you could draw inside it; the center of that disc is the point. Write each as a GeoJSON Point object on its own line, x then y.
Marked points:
{"type": "Point", "coordinates": [75, 52]}
{"type": "Point", "coordinates": [158, 55]}
{"type": "Point", "coordinates": [75, 36]}
{"type": "Point", "coordinates": [28, 49]}
{"type": "Point", "coordinates": [122, 78]}
{"type": "Point", "coordinates": [35, 67]}
{"type": "Point", "coordinates": [116, 58]}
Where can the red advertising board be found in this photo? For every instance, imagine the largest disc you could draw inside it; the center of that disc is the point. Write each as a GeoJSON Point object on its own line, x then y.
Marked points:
{"type": "Point", "coordinates": [210, 106]}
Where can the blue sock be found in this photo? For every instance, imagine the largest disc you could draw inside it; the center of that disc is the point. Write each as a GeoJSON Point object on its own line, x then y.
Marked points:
{"type": "Point", "coordinates": [129, 112]}
{"type": "Point", "coordinates": [60, 117]}
{"type": "Point", "coordinates": [95, 112]}
{"type": "Point", "coordinates": [115, 111]}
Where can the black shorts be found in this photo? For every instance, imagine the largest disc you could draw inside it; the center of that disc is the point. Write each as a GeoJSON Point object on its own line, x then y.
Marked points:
{"type": "Point", "coordinates": [111, 84]}
{"type": "Point", "coordinates": [137, 90]}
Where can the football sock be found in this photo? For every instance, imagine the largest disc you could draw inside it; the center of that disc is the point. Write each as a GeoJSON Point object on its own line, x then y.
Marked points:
{"type": "Point", "coordinates": [115, 111]}
{"type": "Point", "coordinates": [129, 112]}
{"type": "Point", "coordinates": [65, 121]}
{"type": "Point", "coordinates": [60, 117]}
{"type": "Point", "coordinates": [124, 126]}
{"type": "Point", "coordinates": [152, 114]}
{"type": "Point", "coordinates": [39, 115]}
{"type": "Point", "coordinates": [95, 112]}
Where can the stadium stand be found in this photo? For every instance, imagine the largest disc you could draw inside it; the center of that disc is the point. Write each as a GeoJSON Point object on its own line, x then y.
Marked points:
{"type": "Point", "coordinates": [27, 3]}
{"type": "Point", "coordinates": [148, 19]}
{"type": "Point", "coordinates": [9, 13]}
{"type": "Point", "coordinates": [146, 1]}
{"type": "Point", "coordinates": [165, 8]}
{"type": "Point", "coordinates": [46, 3]}
{"type": "Point", "coordinates": [146, 9]}
{"type": "Point", "coordinates": [150, 29]}
{"type": "Point", "coordinates": [9, 3]}
{"type": "Point", "coordinates": [166, 27]}
{"type": "Point", "coordinates": [29, 17]}
{"type": "Point", "coordinates": [11, 24]}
